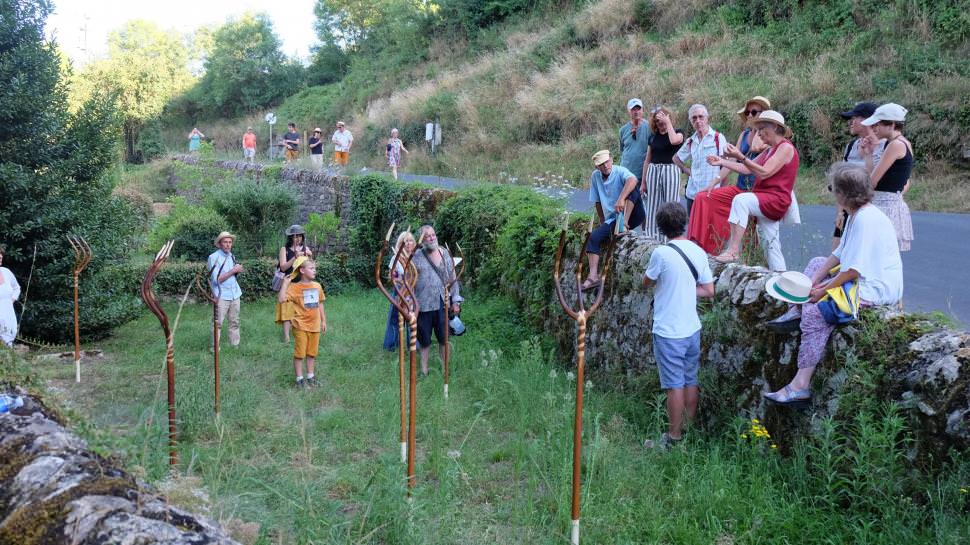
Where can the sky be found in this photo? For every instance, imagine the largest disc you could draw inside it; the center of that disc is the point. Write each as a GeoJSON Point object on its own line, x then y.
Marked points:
{"type": "Point", "coordinates": [81, 27]}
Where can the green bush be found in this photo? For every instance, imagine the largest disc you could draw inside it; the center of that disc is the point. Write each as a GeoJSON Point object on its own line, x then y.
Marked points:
{"type": "Point", "coordinates": [256, 211]}
{"type": "Point", "coordinates": [375, 203]}
{"type": "Point", "coordinates": [193, 227]}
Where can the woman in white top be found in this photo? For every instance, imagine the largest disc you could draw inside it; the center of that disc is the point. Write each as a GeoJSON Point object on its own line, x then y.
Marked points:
{"type": "Point", "coordinates": [867, 254]}
{"type": "Point", "coordinates": [9, 292]}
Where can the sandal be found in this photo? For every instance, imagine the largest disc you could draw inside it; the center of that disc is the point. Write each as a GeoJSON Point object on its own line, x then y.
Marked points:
{"type": "Point", "coordinates": [591, 283]}
{"type": "Point", "coordinates": [789, 396]}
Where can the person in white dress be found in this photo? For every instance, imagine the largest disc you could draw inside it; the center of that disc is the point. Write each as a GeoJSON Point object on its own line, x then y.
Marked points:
{"type": "Point", "coordinates": [9, 292]}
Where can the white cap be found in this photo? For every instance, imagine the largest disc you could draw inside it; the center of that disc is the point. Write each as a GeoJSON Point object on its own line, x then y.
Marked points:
{"type": "Point", "coordinates": [633, 102]}
{"type": "Point", "coordinates": [886, 112]}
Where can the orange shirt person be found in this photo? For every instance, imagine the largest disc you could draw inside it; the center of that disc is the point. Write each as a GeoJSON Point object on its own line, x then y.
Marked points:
{"type": "Point", "coordinates": [249, 145]}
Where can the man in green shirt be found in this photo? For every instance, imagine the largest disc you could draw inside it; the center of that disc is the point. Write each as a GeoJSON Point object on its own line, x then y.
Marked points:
{"type": "Point", "coordinates": [634, 138]}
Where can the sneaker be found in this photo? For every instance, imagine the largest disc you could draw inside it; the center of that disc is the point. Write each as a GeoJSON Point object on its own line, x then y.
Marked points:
{"type": "Point", "coordinates": [665, 442]}
{"type": "Point", "coordinates": [310, 382]}
{"type": "Point", "coordinates": [300, 383]}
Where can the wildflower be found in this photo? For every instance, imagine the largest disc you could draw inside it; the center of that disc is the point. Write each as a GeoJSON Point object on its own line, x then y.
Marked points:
{"type": "Point", "coordinates": [589, 384]}
{"type": "Point", "coordinates": [963, 490]}
{"type": "Point", "coordinates": [570, 375]}
{"type": "Point", "coordinates": [774, 445]}
{"type": "Point", "coordinates": [744, 436]}
{"type": "Point", "coordinates": [553, 373]}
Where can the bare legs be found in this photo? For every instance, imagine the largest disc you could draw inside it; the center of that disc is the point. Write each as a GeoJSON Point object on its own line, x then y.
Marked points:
{"type": "Point", "coordinates": [286, 331]}
{"type": "Point", "coordinates": [681, 406]}
{"type": "Point", "coordinates": [733, 248]}
{"type": "Point", "coordinates": [298, 365]}
{"type": "Point", "coordinates": [425, 352]}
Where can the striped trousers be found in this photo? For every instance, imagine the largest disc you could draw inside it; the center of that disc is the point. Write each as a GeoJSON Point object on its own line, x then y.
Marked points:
{"type": "Point", "coordinates": [663, 186]}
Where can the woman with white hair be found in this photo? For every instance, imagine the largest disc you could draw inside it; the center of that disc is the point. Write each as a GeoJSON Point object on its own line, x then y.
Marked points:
{"type": "Point", "coordinates": [867, 254]}
{"type": "Point", "coordinates": [890, 175]}
{"type": "Point", "coordinates": [9, 292]}
{"type": "Point", "coordinates": [393, 153]}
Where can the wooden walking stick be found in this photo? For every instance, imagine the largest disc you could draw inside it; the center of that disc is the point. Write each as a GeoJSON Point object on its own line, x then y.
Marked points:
{"type": "Point", "coordinates": [407, 307]}
{"type": "Point", "coordinates": [156, 308]}
{"type": "Point", "coordinates": [211, 294]}
{"type": "Point", "coordinates": [456, 274]}
{"type": "Point", "coordinates": [581, 315]}
{"type": "Point", "coordinates": [82, 256]}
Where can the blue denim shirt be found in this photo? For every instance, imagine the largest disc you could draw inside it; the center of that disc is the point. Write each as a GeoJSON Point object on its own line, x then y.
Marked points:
{"type": "Point", "coordinates": [219, 262]}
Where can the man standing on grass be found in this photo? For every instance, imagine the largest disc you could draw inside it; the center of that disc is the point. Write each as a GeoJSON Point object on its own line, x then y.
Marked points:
{"type": "Point", "coordinates": [703, 143]}
{"type": "Point", "coordinates": [680, 272]}
{"type": "Point", "coordinates": [249, 145]}
{"type": "Point", "coordinates": [342, 141]}
{"type": "Point", "coordinates": [223, 269]}
{"type": "Point", "coordinates": [435, 269]}
{"type": "Point", "coordinates": [292, 142]}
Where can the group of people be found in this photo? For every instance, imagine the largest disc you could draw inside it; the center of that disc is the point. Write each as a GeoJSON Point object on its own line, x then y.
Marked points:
{"type": "Point", "coordinates": [873, 226]}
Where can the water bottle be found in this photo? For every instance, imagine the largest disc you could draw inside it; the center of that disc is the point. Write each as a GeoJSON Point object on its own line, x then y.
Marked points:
{"type": "Point", "coordinates": [9, 403]}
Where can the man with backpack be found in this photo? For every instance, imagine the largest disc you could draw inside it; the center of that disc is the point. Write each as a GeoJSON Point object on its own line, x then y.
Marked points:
{"type": "Point", "coordinates": [702, 144]}
{"type": "Point", "coordinates": [680, 273]}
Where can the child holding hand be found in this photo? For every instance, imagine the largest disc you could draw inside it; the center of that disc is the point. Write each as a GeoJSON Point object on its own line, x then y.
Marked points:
{"type": "Point", "coordinates": [309, 320]}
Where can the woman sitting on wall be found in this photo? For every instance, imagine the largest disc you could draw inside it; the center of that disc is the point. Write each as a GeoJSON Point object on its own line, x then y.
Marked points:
{"type": "Point", "coordinates": [867, 254]}
{"type": "Point", "coordinates": [775, 170]}
{"type": "Point", "coordinates": [295, 247]}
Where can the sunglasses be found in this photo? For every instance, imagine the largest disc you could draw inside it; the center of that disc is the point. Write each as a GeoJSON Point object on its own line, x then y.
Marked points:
{"type": "Point", "coordinates": [752, 113]}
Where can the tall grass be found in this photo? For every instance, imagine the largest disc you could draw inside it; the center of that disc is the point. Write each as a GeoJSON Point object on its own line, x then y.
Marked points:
{"type": "Point", "coordinates": [493, 462]}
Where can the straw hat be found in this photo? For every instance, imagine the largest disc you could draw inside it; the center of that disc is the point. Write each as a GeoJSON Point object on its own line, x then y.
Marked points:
{"type": "Point", "coordinates": [771, 116]}
{"type": "Point", "coordinates": [757, 99]}
{"type": "Point", "coordinates": [296, 266]}
{"type": "Point", "coordinates": [317, 130]}
{"type": "Point", "coordinates": [601, 157]}
{"type": "Point", "coordinates": [790, 287]}
{"type": "Point", "coordinates": [222, 235]}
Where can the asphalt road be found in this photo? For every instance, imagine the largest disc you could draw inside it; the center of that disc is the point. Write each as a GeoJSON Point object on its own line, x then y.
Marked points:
{"type": "Point", "coordinates": [936, 271]}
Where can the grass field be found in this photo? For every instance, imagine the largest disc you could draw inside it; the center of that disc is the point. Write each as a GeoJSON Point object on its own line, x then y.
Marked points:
{"type": "Point", "coordinates": [493, 462]}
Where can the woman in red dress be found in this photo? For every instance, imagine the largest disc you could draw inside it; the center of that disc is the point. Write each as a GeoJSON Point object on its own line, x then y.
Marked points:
{"type": "Point", "coordinates": [775, 170]}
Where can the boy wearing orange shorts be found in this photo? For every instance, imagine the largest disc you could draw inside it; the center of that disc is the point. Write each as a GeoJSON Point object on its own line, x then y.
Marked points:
{"type": "Point", "coordinates": [309, 320]}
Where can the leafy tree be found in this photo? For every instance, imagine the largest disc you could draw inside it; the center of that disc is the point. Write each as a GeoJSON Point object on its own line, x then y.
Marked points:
{"type": "Point", "coordinates": [145, 68]}
{"type": "Point", "coordinates": [52, 181]}
{"type": "Point", "coordinates": [245, 69]}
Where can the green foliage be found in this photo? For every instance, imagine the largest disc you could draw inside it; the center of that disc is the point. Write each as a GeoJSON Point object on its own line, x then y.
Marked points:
{"type": "Point", "coordinates": [193, 227]}
{"type": "Point", "coordinates": [245, 69]}
{"type": "Point", "coordinates": [145, 68]}
{"type": "Point", "coordinates": [321, 227]}
{"type": "Point", "coordinates": [53, 166]}
{"type": "Point", "coordinates": [257, 211]}
{"type": "Point", "coordinates": [311, 106]}
{"type": "Point", "coordinates": [375, 203]}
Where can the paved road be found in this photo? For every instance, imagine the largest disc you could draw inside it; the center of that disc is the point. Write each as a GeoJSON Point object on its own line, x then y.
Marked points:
{"type": "Point", "coordinates": [936, 270]}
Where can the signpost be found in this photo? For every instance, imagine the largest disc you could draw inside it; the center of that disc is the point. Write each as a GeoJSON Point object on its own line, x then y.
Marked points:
{"type": "Point", "coordinates": [271, 120]}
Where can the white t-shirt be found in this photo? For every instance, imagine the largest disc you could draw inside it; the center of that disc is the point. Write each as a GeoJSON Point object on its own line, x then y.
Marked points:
{"type": "Point", "coordinates": [675, 296]}
{"type": "Point", "coordinates": [342, 140]}
{"type": "Point", "coordinates": [869, 247]}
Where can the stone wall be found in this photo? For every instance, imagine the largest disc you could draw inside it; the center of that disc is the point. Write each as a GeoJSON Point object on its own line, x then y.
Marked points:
{"type": "Point", "coordinates": [54, 490]}
{"type": "Point", "coordinates": [923, 367]}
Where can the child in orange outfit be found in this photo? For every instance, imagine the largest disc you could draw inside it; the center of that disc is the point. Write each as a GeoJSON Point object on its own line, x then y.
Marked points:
{"type": "Point", "coordinates": [309, 320]}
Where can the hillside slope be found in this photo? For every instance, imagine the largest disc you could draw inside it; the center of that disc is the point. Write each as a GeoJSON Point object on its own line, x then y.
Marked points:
{"type": "Point", "coordinates": [553, 88]}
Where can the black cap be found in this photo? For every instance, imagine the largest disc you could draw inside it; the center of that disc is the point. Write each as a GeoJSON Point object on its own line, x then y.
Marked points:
{"type": "Point", "coordinates": [861, 109]}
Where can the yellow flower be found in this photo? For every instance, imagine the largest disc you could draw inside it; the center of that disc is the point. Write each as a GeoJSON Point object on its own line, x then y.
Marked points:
{"type": "Point", "coordinates": [744, 436]}
{"type": "Point", "coordinates": [774, 445]}
{"type": "Point", "coordinates": [963, 490]}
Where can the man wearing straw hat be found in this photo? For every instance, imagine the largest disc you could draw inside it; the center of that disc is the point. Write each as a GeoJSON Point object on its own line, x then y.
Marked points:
{"type": "Point", "coordinates": [223, 269]}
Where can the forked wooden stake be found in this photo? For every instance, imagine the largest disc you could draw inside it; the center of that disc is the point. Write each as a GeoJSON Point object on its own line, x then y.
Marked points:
{"type": "Point", "coordinates": [211, 295]}
{"type": "Point", "coordinates": [152, 303]}
{"type": "Point", "coordinates": [82, 256]}
{"type": "Point", "coordinates": [581, 315]}
{"type": "Point", "coordinates": [407, 307]}
{"type": "Point", "coordinates": [454, 278]}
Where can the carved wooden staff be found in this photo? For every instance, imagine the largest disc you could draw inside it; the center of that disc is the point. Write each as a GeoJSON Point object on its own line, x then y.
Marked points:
{"type": "Point", "coordinates": [581, 315]}
{"type": "Point", "coordinates": [407, 306]}
{"type": "Point", "coordinates": [156, 308]}
{"type": "Point", "coordinates": [211, 294]}
{"type": "Point", "coordinates": [456, 274]}
{"type": "Point", "coordinates": [82, 256]}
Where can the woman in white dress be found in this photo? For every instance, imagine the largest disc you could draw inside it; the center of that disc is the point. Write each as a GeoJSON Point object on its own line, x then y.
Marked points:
{"type": "Point", "coordinates": [9, 292]}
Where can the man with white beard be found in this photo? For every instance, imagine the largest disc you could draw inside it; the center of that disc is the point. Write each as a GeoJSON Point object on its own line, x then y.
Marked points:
{"type": "Point", "coordinates": [435, 269]}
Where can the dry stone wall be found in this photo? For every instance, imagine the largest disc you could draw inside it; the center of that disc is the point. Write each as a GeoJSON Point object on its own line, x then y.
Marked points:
{"type": "Point", "coordinates": [54, 490]}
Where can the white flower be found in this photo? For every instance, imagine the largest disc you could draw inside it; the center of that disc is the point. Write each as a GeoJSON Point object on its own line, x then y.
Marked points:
{"type": "Point", "coordinates": [570, 375]}
{"type": "Point", "coordinates": [589, 384]}
{"type": "Point", "coordinates": [553, 373]}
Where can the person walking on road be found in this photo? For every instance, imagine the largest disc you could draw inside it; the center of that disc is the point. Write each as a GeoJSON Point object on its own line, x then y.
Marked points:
{"type": "Point", "coordinates": [394, 149]}
{"type": "Point", "coordinates": [342, 142]}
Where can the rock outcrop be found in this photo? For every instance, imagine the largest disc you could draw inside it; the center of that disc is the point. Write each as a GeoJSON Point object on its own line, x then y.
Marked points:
{"type": "Point", "coordinates": [54, 490]}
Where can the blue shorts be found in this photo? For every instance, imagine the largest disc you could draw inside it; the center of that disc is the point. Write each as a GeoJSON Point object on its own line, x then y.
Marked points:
{"type": "Point", "coordinates": [677, 360]}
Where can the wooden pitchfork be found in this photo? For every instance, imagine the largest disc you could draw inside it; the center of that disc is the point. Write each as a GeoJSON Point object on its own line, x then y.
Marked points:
{"type": "Point", "coordinates": [581, 315]}
{"type": "Point", "coordinates": [152, 303]}
{"type": "Point", "coordinates": [407, 307]}
{"type": "Point", "coordinates": [211, 294]}
{"type": "Point", "coordinates": [82, 256]}
{"type": "Point", "coordinates": [456, 274]}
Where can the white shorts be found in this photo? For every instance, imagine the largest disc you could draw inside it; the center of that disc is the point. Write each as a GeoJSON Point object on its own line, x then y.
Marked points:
{"type": "Point", "coordinates": [249, 153]}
